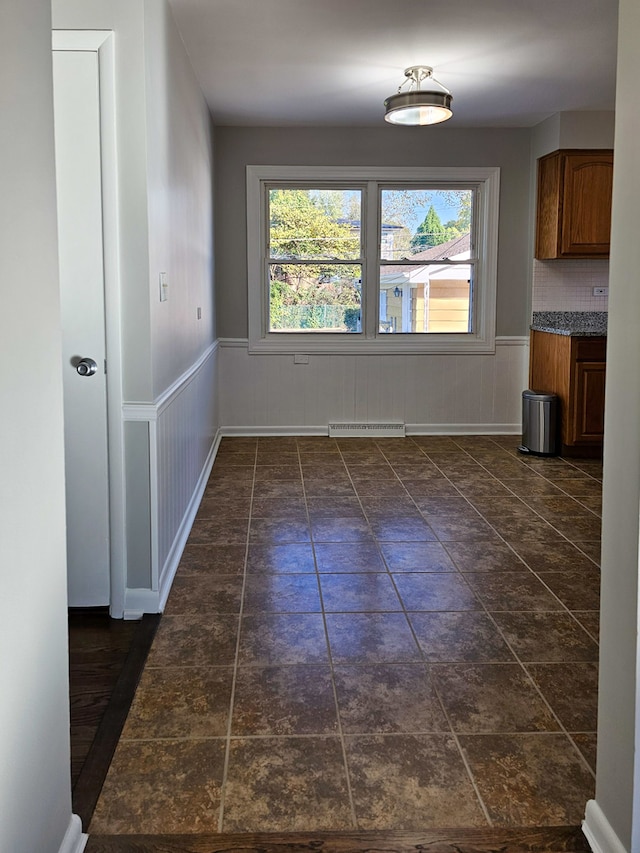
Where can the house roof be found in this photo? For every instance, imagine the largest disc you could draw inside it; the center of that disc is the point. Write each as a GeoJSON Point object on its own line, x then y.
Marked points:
{"type": "Point", "coordinates": [445, 250]}
{"type": "Point", "coordinates": [449, 250]}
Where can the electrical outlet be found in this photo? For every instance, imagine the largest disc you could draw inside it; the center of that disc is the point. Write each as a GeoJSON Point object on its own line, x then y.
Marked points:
{"type": "Point", "coordinates": [600, 291]}
{"type": "Point", "coordinates": [300, 358]}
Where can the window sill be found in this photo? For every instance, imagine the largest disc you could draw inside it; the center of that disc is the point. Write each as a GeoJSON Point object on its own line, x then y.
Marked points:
{"type": "Point", "coordinates": [390, 345]}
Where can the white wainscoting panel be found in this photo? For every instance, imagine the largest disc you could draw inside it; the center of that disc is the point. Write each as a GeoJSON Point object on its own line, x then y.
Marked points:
{"type": "Point", "coordinates": [183, 434]}
{"type": "Point", "coordinates": [443, 393]}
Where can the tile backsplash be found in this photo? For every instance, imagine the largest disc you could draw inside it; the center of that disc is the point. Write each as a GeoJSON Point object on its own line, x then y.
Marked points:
{"type": "Point", "coordinates": [566, 285]}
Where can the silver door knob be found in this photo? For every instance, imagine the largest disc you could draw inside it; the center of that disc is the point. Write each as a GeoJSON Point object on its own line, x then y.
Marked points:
{"type": "Point", "coordinates": [86, 367]}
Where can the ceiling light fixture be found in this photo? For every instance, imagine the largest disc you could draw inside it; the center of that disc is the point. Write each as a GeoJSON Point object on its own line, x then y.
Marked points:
{"type": "Point", "coordinates": [419, 106]}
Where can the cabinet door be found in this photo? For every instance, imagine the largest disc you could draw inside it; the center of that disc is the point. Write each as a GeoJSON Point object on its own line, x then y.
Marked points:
{"type": "Point", "coordinates": [588, 402]}
{"type": "Point", "coordinates": [586, 208]}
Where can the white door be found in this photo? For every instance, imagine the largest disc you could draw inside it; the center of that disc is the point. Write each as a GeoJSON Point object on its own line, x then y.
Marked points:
{"type": "Point", "coordinates": [79, 188]}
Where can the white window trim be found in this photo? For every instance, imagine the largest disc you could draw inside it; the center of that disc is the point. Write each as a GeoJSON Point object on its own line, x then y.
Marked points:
{"type": "Point", "coordinates": [482, 340]}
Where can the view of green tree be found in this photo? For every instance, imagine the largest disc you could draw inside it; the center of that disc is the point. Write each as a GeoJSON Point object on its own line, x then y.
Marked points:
{"type": "Point", "coordinates": [419, 215]}
{"type": "Point", "coordinates": [430, 232]}
{"type": "Point", "coordinates": [462, 224]}
{"type": "Point", "coordinates": [338, 204]}
{"type": "Point", "coordinates": [301, 227]}
{"type": "Point", "coordinates": [304, 226]}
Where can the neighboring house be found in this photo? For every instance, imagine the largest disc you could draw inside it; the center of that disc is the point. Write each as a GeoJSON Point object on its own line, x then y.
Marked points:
{"type": "Point", "coordinates": [159, 350]}
{"type": "Point", "coordinates": [428, 298]}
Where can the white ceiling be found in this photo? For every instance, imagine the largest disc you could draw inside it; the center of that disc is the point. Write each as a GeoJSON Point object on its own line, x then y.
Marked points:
{"type": "Point", "coordinates": [508, 63]}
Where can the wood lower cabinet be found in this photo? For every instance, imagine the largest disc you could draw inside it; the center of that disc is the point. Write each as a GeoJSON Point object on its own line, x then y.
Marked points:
{"type": "Point", "coordinates": [587, 421]}
{"type": "Point", "coordinates": [574, 369]}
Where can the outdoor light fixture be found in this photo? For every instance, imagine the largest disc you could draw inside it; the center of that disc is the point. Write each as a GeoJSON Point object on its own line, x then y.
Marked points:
{"type": "Point", "coordinates": [397, 292]}
{"type": "Point", "coordinates": [419, 106]}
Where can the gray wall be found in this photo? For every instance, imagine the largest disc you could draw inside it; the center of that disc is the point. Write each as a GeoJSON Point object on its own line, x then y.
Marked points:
{"type": "Point", "coordinates": [179, 170]}
{"type": "Point", "coordinates": [165, 223]}
{"type": "Point", "coordinates": [164, 183]}
{"type": "Point", "coordinates": [126, 19]}
{"type": "Point", "coordinates": [35, 798]}
{"type": "Point", "coordinates": [388, 146]}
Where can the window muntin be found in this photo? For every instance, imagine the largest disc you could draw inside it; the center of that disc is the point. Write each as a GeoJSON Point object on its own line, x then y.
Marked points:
{"type": "Point", "coordinates": [474, 327]}
{"type": "Point", "coordinates": [315, 255]}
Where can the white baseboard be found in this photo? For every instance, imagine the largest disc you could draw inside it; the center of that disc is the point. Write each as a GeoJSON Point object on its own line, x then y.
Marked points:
{"type": "Point", "coordinates": [74, 840]}
{"type": "Point", "coordinates": [274, 430]}
{"type": "Point", "coordinates": [411, 429]}
{"type": "Point", "coordinates": [599, 832]}
{"type": "Point", "coordinates": [139, 601]}
{"type": "Point", "coordinates": [464, 429]}
{"type": "Point", "coordinates": [173, 560]}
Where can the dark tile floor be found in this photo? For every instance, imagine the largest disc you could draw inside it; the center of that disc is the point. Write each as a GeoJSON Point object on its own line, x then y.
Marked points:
{"type": "Point", "coordinates": [372, 634]}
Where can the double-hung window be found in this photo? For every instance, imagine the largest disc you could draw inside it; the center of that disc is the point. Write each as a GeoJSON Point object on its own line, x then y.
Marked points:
{"type": "Point", "coordinates": [394, 260]}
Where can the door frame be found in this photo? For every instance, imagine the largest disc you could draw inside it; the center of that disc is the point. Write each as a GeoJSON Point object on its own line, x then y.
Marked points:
{"type": "Point", "coordinates": [102, 43]}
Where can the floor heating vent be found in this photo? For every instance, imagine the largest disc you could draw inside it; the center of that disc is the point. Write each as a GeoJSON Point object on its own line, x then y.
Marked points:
{"type": "Point", "coordinates": [366, 430]}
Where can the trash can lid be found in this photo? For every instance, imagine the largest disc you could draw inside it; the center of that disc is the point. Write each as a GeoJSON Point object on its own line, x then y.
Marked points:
{"type": "Point", "coordinates": [542, 396]}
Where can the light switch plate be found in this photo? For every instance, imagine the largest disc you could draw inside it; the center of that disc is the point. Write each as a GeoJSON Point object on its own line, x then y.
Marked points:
{"type": "Point", "coordinates": [164, 287]}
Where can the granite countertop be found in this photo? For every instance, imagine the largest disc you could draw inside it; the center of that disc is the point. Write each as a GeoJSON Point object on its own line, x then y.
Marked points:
{"type": "Point", "coordinates": [573, 323]}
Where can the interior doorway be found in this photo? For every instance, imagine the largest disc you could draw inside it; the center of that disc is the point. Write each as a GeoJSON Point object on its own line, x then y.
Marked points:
{"type": "Point", "coordinates": [84, 117]}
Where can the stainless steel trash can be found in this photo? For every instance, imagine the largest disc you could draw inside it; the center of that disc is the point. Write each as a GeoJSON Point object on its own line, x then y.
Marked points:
{"type": "Point", "coordinates": [539, 423]}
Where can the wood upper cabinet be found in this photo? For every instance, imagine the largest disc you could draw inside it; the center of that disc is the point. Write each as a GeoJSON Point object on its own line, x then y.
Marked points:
{"type": "Point", "coordinates": [573, 368]}
{"type": "Point", "coordinates": [574, 204]}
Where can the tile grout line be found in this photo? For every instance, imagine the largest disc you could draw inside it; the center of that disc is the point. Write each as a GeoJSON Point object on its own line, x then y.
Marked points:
{"type": "Point", "coordinates": [388, 735]}
{"type": "Point", "coordinates": [506, 542]}
{"type": "Point", "coordinates": [234, 677]}
{"type": "Point", "coordinates": [522, 664]}
{"type": "Point", "coordinates": [354, 815]}
{"type": "Point", "coordinates": [452, 733]}
{"type": "Point", "coordinates": [510, 647]}
{"type": "Point", "coordinates": [537, 573]}
{"type": "Point", "coordinates": [424, 663]}
{"type": "Point", "coordinates": [405, 612]}
{"type": "Point", "coordinates": [435, 686]}
{"type": "Point", "coordinates": [531, 680]}
{"type": "Point", "coordinates": [463, 757]}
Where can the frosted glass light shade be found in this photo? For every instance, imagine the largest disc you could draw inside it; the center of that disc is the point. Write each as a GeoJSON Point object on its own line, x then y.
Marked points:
{"type": "Point", "coordinates": [419, 107]}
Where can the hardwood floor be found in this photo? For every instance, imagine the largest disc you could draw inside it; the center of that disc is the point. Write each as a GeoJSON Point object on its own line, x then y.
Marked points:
{"type": "Point", "coordinates": [106, 658]}
{"type": "Point", "coordinates": [537, 840]}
